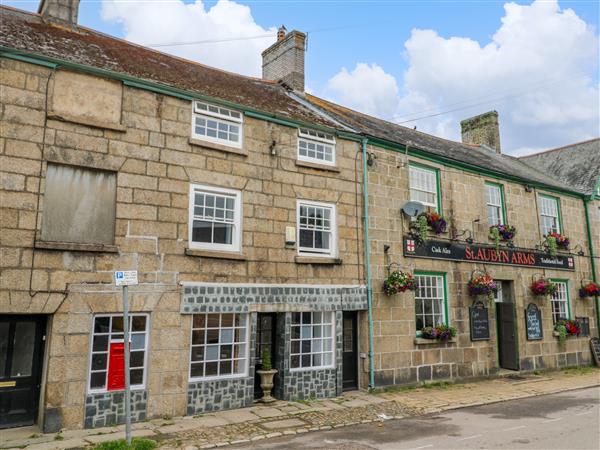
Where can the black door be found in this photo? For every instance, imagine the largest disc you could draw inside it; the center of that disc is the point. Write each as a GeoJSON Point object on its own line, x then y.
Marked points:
{"type": "Point", "coordinates": [21, 348]}
{"type": "Point", "coordinates": [265, 340]}
{"type": "Point", "coordinates": [350, 352]}
{"type": "Point", "coordinates": [507, 342]}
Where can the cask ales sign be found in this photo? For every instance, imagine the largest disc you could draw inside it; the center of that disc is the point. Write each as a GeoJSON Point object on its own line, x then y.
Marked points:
{"type": "Point", "coordinates": [476, 253]}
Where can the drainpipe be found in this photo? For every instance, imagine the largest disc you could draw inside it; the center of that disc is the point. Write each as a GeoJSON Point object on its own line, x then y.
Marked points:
{"type": "Point", "coordinates": [592, 258]}
{"type": "Point", "coordinates": [368, 262]}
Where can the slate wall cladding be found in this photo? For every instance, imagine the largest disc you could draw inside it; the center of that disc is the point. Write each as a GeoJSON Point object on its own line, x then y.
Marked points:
{"type": "Point", "coordinates": [232, 298]}
{"type": "Point", "coordinates": [108, 408]}
{"type": "Point", "coordinates": [218, 395]}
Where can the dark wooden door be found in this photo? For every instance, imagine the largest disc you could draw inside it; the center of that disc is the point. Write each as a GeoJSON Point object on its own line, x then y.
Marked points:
{"type": "Point", "coordinates": [507, 341]}
{"type": "Point", "coordinates": [21, 349]}
{"type": "Point", "coordinates": [349, 351]}
{"type": "Point", "coordinates": [266, 334]}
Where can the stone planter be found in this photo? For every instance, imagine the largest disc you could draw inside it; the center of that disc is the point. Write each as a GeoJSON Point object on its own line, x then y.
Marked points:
{"type": "Point", "coordinates": [266, 384]}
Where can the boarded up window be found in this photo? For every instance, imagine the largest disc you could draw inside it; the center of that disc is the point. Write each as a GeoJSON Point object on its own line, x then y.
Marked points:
{"type": "Point", "coordinates": [79, 205]}
{"type": "Point", "coordinates": [86, 99]}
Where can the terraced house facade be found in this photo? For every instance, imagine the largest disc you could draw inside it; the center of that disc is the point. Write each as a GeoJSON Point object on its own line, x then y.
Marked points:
{"type": "Point", "coordinates": [240, 202]}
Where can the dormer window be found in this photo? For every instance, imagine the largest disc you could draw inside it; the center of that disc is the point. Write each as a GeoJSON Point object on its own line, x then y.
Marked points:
{"type": "Point", "coordinates": [216, 124]}
{"type": "Point", "coordinates": [316, 146]}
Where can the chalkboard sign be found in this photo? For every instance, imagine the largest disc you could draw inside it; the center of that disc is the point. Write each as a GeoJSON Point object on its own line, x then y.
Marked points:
{"type": "Point", "coordinates": [480, 325]}
{"type": "Point", "coordinates": [533, 323]}
{"type": "Point", "coordinates": [584, 325]}
{"type": "Point", "coordinates": [595, 347]}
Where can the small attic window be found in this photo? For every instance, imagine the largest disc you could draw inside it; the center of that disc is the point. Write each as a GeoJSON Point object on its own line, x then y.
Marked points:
{"type": "Point", "coordinates": [316, 146]}
{"type": "Point", "coordinates": [217, 124]}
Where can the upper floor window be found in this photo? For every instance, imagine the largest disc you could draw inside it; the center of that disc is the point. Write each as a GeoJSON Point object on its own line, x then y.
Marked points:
{"type": "Point", "coordinates": [423, 183]}
{"type": "Point", "coordinates": [216, 124]}
{"type": "Point", "coordinates": [560, 301]}
{"type": "Point", "coordinates": [549, 215]}
{"type": "Point", "coordinates": [316, 229]}
{"type": "Point", "coordinates": [316, 146]}
{"type": "Point", "coordinates": [495, 204]}
{"type": "Point", "coordinates": [215, 218]}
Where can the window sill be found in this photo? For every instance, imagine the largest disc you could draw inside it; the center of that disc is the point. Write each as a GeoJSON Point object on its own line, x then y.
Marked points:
{"type": "Point", "coordinates": [214, 254]}
{"type": "Point", "coordinates": [314, 165]}
{"type": "Point", "coordinates": [423, 341]}
{"type": "Point", "coordinates": [318, 260]}
{"type": "Point", "coordinates": [86, 121]}
{"type": "Point", "coordinates": [557, 334]}
{"type": "Point", "coordinates": [219, 147]}
{"type": "Point", "coordinates": [76, 247]}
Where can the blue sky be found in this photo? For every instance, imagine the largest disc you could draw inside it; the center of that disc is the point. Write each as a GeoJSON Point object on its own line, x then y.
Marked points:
{"type": "Point", "coordinates": [375, 48]}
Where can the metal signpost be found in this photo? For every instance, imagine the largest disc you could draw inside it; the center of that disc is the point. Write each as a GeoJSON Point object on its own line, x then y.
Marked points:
{"type": "Point", "coordinates": [126, 278]}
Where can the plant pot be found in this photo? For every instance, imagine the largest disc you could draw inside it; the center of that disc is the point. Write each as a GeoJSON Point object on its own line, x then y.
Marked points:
{"type": "Point", "coordinates": [266, 384]}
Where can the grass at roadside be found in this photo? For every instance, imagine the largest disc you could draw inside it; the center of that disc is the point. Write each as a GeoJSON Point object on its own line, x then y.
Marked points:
{"type": "Point", "coordinates": [581, 370]}
{"type": "Point", "coordinates": [121, 444]}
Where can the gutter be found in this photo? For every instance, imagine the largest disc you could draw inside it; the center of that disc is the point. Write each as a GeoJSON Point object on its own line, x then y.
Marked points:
{"type": "Point", "coordinates": [368, 262]}
{"type": "Point", "coordinates": [588, 227]}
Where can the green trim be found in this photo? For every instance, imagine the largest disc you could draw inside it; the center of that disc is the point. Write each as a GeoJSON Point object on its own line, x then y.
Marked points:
{"type": "Point", "coordinates": [31, 60]}
{"type": "Point", "coordinates": [502, 200]}
{"type": "Point", "coordinates": [567, 282]}
{"type": "Point", "coordinates": [156, 89]}
{"type": "Point", "coordinates": [270, 118]}
{"type": "Point", "coordinates": [592, 259]}
{"type": "Point", "coordinates": [416, 273]}
{"type": "Point", "coordinates": [557, 200]}
{"type": "Point", "coordinates": [438, 186]}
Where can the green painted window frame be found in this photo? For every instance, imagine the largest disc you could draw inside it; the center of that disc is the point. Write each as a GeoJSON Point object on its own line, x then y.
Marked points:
{"type": "Point", "coordinates": [567, 284]}
{"type": "Point", "coordinates": [438, 184]}
{"type": "Point", "coordinates": [445, 287]}
{"type": "Point", "coordinates": [502, 199]}
{"type": "Point", "coordinates": [558, 209]}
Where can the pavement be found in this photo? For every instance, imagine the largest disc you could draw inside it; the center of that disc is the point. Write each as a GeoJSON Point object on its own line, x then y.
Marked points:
{"type": "Point", "coordinates": [247, 426]}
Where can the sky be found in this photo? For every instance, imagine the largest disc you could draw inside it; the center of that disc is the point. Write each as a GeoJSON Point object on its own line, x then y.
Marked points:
{"type": "Point", "coordinates": [428, 64]}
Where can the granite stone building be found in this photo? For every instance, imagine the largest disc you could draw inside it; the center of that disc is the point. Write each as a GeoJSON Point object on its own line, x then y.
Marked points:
{"type": "Point", "coordinates": [242, 205]}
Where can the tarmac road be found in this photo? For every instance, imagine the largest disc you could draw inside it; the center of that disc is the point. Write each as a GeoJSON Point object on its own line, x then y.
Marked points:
{"type": "Point", "coordinates": [569, 420]}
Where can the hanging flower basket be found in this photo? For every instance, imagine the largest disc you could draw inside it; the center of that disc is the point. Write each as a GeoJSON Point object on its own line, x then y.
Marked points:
{"type": "Point", "coordinates": [543, 287]}
{"type": "Point", "coordinates": [399, 281]}
{"type": "Point", "coordinates": [590, 289]}
{"type": "Point", "coordinates": [564, 328]}
{"type": "Point", "coordinates": [482, 285]}
{"type": "Point", "coordinates": [556, 241]}
{"type": "Point", "coordinates": [440, 332]}
{"type": "Point", "coordinates": [436, 222]}
{"type": "Point", "coordinates": [504, 233]}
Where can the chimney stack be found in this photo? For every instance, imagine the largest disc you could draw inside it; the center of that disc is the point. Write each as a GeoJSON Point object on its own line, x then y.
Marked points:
{"type": "Point", "coordinates": [482, 130]}
{"type": "Point", "coordinates": [284, 60]}
{"type": "Point", "coordinates": [60, 12]}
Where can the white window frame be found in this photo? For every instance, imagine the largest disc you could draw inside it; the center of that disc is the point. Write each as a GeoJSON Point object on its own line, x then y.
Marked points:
{"type": "Point", "coordinates": [560, 297]}
{"type": "Point", "coordinates": [413, 169]}
{"type": "Point", "coordinates": [304, 251]}
{"type": "Point", "coordinates": [134, 387]}
{"type": "Point", "coordinates": [317, 137]}
{"type": "Point", "coordinates": [236, 242]}
{"type": "Point", "coordinates": [220, 115]}
{"type": "Point", "coordinates": [246, 356]}
{"type": "Point", "coordinates": [497, 206]}
{"type": "Point", "coordinates": [440, 283]}
{"type": "Point", "coordinates": [323, 324]}
{"type": "Point", "coordinates": [543, 213]}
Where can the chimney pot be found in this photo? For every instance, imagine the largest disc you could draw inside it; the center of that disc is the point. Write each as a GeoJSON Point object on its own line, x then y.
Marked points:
{"type": "Point", "coordinates": [60, 12]}
{"type": "Point", "coordinates": [284, 60]}
{"type": "Point", "coordinates": [482, 130]}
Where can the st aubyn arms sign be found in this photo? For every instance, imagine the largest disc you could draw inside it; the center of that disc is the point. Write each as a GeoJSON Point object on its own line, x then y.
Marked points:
{"type": "Point", "coordinates": [476, 253]}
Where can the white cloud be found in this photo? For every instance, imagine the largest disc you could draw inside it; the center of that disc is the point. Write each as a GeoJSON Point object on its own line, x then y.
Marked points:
{"type": "Point", "coordinates": [175, 21]}
{"type": "Point", "coordinates": [539, 72]}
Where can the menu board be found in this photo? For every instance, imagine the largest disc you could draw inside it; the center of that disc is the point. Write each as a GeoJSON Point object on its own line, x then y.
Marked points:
{"type": "Point", "coordinates": [533, 323]}
{"type": "Point", "coordinates": [479, 322]}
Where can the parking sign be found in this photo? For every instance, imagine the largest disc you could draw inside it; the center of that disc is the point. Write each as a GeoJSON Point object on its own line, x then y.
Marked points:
{"type": "Point", "coordinates": [126, 277]}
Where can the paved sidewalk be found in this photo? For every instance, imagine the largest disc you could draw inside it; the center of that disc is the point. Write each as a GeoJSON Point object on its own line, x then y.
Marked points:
{"type": "Point", "coordinates": [290, 418]}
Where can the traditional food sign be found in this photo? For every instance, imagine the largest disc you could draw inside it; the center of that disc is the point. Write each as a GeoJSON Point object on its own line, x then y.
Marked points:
{"type": "Point", "coordinates": [476, 253]}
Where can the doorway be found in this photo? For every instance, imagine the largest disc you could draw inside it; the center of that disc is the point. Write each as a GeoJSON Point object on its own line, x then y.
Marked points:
{"type": "Point", "coordinates": [266, 336]}
{"type": "Point", "coordinates": [21, 357]}
{"type": "Point", "coordinates": [349, 352]}
{"type": "Point", "coordinates": [508, 357]}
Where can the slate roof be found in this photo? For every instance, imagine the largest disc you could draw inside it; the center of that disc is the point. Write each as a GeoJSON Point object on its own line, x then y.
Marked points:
{"type": "Point", "coordinates": [23, 31]}
{"type": "Point", "coordinates": [577, 165]}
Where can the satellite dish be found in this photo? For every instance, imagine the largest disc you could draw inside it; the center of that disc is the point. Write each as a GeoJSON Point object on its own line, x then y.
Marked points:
{"type": "Point", "coordinates": [413, 209]}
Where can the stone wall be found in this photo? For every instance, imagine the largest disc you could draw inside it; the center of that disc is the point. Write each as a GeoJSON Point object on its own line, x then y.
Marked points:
{"type": "Point", "coordinates": [398, 358]}
{"type": "Point", "coordinates": [106, 409]}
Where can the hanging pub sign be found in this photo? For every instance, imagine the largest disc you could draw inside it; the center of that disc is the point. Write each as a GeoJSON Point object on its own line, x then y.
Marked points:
{"type": "Point", "coordinates": [475, 253]}
{"type": "Point", "coordinates": [533, 323]}
{"type": "Point", "coordinates": [479, 322]}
